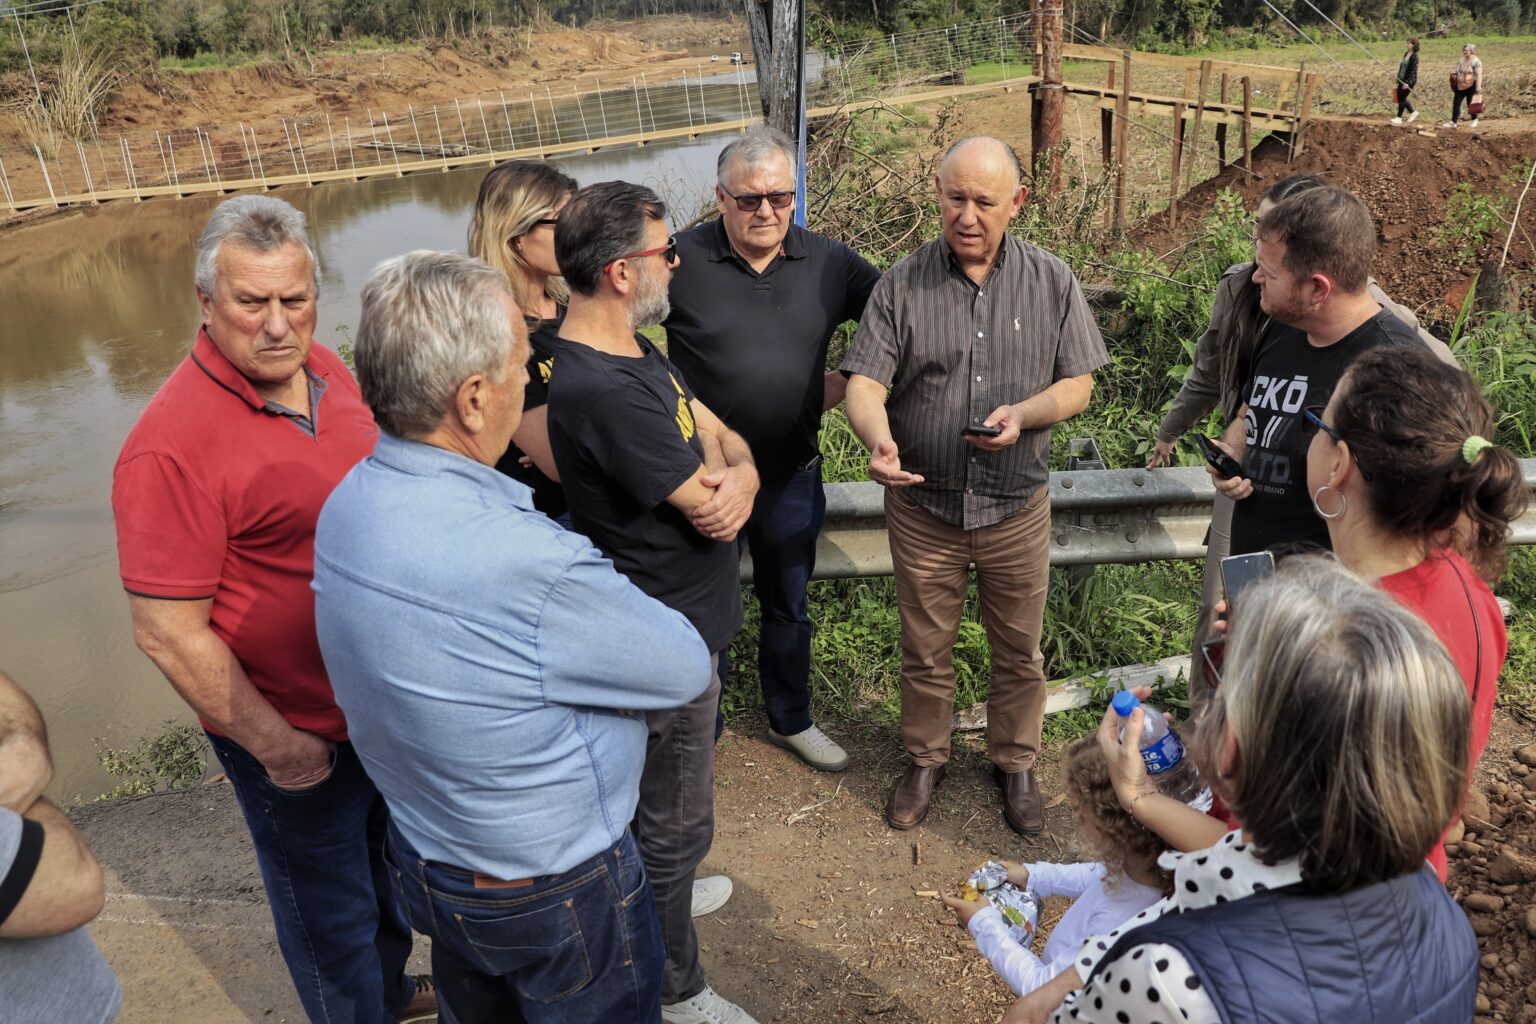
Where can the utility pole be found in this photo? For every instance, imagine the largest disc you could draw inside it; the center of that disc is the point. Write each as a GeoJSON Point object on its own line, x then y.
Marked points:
{"type": "Point", "coordinates": [1049, 98]}
{"type": "Point", "coordinates": [778, 45]}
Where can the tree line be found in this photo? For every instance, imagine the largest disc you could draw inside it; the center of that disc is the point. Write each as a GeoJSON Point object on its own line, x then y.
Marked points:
{"type": "Point", "coordinates": [134, 31]}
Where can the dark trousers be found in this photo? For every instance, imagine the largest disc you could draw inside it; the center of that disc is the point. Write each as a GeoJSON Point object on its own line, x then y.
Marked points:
{"type": "Point", "coordinates": [572, 948]}
{"type": "Point", "coordinates": [781, 535]}
{"type": "Point", "coordinates": [1404, 104]}
{"type": "Point", "coordinates": [1458, 97]}
{"type": "Point", "coordinates": [674, 826]}
{"type": "Point", "coordinates": [340, 926]}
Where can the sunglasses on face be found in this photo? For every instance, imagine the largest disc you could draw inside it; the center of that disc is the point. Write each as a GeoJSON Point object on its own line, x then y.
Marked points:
{"type": "Point", "coordinates": [670, 249]}
{"type": "Point", "coordinates": [1312, 422]}
{"type": "Point", "coordinates": [750, 202]}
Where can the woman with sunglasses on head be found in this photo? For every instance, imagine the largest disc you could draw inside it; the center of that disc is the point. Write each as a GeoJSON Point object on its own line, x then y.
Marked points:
{"type": "Point", "coordinates": [1420, 501]}
{"type": "Point", "coordinates": [513, 229]}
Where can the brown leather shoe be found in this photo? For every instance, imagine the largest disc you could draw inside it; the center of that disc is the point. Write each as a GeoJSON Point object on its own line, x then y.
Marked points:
{"type": "Point", "coordinates": [422, 1009]}
{"type": "Point", "coordinates": [1022, 808]}
{"type": "Point", "coordinates": [909, 800]}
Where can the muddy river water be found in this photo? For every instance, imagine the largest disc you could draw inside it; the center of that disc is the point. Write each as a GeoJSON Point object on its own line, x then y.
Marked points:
{"type": "Point", "coordinates": [96, 309]}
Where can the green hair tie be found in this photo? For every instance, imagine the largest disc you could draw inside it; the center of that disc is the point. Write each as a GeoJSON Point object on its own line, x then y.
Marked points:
{"type": "Point", "coordinates": [1472, 447]}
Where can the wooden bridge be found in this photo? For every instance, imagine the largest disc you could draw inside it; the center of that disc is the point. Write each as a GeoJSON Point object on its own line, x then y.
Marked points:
{"type": "Point", "coordinates": [1292, 91]}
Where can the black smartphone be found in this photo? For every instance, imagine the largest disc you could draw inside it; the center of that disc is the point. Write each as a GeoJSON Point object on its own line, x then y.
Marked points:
{"type": "Point", "coordinates": [1219, 460]}
{"type": "Point", "coordinates": [1239, 572]}
{"type": "Point", "coordinates": [982, 430]}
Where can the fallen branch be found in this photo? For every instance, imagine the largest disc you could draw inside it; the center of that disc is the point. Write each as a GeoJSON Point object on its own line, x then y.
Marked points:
{"type": "Point", "coordinates": [808, 808]}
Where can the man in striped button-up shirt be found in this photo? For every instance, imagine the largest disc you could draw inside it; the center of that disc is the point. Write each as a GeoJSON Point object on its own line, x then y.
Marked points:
{"type": "Point", "coordinates": [969, 351]}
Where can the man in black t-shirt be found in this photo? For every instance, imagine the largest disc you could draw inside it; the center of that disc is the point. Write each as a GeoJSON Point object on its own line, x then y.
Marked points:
{"type": "Point", "coordinates": [1313, 253]}
{"type": "Point", "coordinates": [754, 304]}
{"type": "Point", "coordinates": [661, 487]}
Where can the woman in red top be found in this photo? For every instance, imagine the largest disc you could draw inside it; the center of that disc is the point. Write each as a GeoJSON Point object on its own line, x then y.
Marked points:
{"type": "Point", "coordinates": [1420, 501]}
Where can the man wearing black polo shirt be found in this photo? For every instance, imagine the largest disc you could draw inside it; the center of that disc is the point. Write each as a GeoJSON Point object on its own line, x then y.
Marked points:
{"type": "Point", "coordinates": [1313, 260]}
{"type": "Point", "coordinates": [754, 304]}
{"type": "Point", "coordinates": [662, 488]}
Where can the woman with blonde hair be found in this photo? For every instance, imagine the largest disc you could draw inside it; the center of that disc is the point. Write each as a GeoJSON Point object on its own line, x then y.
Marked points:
{"type": "Point", "coordinates": [1339, 737]}
{"type": "Point", "coordinates": [513, 229]}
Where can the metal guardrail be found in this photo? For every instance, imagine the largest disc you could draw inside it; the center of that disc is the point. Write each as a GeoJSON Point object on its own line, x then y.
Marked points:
{"type": "Point", "coordinates": [1097, 518]}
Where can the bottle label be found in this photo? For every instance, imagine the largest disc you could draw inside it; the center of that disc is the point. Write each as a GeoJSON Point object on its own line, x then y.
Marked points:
{"type": "Point", "coordinates": [1166, 753]}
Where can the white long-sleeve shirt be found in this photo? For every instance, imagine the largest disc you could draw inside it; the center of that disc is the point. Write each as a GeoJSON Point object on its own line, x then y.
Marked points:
{"type": "Point", "coordinates": [1095, 912]}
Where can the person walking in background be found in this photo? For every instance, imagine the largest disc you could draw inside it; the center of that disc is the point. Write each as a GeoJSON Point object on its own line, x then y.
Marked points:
{"type": "Point", "coordinates": [1407, 78]}
{"type": "Point", "coordinates": [663, 488]}
{"type": "Point", "coordinates": [1466, 86]}
{"type": "Point", "coordinates": [755, 302]}
{"type": "Point", "coordinates": [513, 229]}
{"type": "Point", "coordinates": [1222, 362]}
{"type": "Point", "coordinates": [50, 887]}
{"type": "Point", "coordinates": [215, 494]}
{"type": "Point", "coordinates": [969, 351]}
{"type": "Point", "coordinates": [509, 751]}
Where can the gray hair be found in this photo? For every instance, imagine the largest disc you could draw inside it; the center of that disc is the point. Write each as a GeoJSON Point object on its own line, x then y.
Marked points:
{"type": "Point", "coordinates": [756, 146]}
{"type": "Point", "coordinates": [430, 321]}
{"type": "Point", "coordinates": [1020, 175]}
{"type": "Point", "coordinates": [1352, 726]}
{"type": "Point", "coordinates": [263, 223]}
{"type": "Point", "coordinates": [1470, 47]}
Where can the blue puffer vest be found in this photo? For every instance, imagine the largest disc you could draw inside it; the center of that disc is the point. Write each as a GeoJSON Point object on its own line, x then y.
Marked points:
{"type": "Point", "coordinates": [1398, 952]}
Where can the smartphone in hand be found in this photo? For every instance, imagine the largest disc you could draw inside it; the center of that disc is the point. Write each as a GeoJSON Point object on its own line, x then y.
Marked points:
{"type": "Point", "coordinates": [982, 430]}
{"type": "Point", "coordinates": [1218, 460]}
{"type": "Point", "coordinates": [1239, 572]}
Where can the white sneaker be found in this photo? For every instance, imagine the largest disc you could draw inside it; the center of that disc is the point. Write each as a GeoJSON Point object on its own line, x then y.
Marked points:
{"type": "Point", "coordinates": [1473, 124]}
{"type": "Point", "coordinates": [708, 1007]}
{"type": "Point", "coordinates": [1412, 117]}
{"type": "Point", "coordinates": [814, 747]}
{"type": "Point", "coordinates": [1396, 120]}
{"type": "Point", "coordinates": [1449, 124]}
{"type": "Point", "coordinates": [710, 894]}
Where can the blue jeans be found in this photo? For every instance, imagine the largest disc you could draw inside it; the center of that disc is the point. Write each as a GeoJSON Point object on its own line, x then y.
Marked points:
{"type": "Point", "coordinates": [781, 534]}
{"type": "Point", "coordinates": [340, 926]}
{"type": "Point", "coordinates": [575, 948]}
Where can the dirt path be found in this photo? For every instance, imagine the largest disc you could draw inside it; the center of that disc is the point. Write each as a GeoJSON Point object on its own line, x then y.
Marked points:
{"type": "Point", "coordinates": [825, 924]}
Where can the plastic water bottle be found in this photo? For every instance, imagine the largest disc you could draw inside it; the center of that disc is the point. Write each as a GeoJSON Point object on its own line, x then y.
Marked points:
{"type": "Point", "coordinates": [1163, 753]}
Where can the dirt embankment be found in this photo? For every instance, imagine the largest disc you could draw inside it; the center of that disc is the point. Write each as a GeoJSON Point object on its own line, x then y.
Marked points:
{"type": "Point", "coordinates": [1408, 179]}
{"type": "Point", "coordinates": [331, 80]}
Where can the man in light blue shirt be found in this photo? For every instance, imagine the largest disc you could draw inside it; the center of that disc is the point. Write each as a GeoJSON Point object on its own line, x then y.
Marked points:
{"type": "Point", "coordinates": [494, 670]}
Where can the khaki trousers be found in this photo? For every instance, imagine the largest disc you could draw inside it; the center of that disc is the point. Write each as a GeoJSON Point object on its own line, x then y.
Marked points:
{"type": "Point", "coordinates": [932, 560]}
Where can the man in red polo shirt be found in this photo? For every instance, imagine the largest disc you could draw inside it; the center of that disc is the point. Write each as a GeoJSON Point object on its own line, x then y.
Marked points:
{"type": "Point", "coordinates": [216, 494]}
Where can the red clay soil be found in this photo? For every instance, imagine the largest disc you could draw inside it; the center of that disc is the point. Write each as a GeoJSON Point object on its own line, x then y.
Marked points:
{"type": "Point", "coordinates": [1493, 876]}
{"type": "Point", "coordinates": [1406, 177]}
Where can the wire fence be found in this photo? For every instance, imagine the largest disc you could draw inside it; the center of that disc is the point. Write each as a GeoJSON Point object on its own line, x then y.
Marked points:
{"type": "Point", "coordinates": [594, 111]}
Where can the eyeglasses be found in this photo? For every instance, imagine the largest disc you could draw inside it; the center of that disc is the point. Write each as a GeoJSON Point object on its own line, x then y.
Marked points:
{"type": "Point", "coordinates": [1312, 422]}
{"type": "Point", "coordinates": [753, 201]}
{"type": "Point", "coordinates": [546, 222]}
{"type": "Point", "coordinates": [670, 249]}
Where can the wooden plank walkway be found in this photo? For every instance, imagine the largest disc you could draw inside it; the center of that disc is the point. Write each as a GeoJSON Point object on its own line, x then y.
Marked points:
{"type": "Point", "coordinates": [396, 167]}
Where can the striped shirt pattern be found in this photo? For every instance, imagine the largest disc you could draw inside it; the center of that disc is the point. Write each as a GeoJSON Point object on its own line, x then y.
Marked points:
{"type": "Point", "coordinates": [951, 352]}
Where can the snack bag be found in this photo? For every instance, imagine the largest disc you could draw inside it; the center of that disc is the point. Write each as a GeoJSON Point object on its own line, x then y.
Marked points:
{"type": "Point", "coordinates": [1019, 907]}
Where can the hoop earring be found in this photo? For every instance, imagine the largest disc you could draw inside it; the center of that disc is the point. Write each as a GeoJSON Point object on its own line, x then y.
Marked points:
{"type": "Point", "coordinates": [1343, 502]}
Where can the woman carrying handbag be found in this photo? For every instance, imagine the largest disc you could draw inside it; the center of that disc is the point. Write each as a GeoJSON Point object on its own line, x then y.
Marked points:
{"type": "Point", "coordinates": [1466, 86]}
{"type": "Point", "coordinates": [1407, 78]}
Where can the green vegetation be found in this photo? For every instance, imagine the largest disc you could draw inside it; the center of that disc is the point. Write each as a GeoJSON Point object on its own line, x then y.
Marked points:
{"type": "Point", "coordinates": [1121, 615]}
{"type": "Point", "coordinates": [1470, 219]}
{"type": "Point", "coordinates": [176, 758]}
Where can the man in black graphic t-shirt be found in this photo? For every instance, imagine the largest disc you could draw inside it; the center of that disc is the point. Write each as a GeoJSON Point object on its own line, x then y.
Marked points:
{"type": "Point", "coordinates": [662, 487]}
{"type": "Point", "coordinates": [1314, 253]}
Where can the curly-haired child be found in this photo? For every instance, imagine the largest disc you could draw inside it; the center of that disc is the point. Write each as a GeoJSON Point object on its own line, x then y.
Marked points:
{"type": "Point", "coordinates": [1124, 881]}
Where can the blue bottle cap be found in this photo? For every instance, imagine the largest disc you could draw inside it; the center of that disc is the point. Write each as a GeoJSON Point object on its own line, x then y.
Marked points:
{"type": "Point", "coordinates": [1124, 703]}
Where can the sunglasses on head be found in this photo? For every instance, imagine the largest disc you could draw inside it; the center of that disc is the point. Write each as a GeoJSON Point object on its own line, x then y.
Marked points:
{"type": "Point", "coordinates": [752, 201]}
{"type": "Point", "coordinates": [670, 249]}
